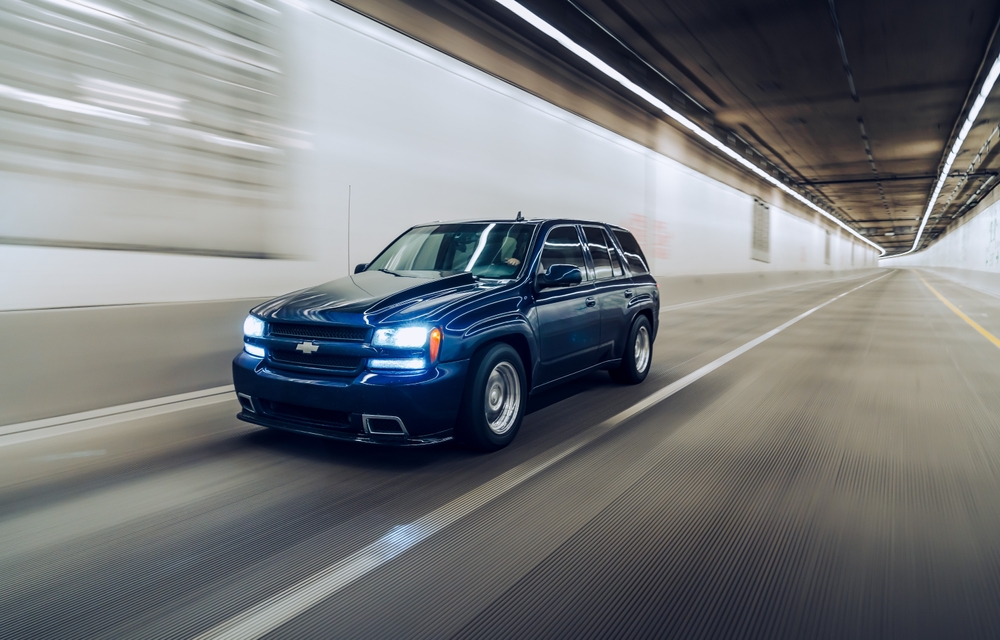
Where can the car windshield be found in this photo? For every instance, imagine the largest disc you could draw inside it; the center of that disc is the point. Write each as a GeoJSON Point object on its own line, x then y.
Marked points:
{"type": "Point", "coordinates": [487, 249]}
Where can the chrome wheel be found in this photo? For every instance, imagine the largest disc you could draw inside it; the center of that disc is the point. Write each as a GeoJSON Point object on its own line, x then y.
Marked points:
{"type": "Point", "coordinates": [503, 398]}
{"type": "Point", "coordinates": [642, 349]}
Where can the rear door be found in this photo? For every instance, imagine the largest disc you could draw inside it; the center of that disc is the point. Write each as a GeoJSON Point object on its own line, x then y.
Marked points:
{"type": "Point", "coordinates": [569, 318]}
{"type": "Point", "coordinates": [613, 290]}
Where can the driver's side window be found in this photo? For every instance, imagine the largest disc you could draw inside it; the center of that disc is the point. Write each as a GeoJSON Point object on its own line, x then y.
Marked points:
{"type": "Point", "coordinates": [563, 246]}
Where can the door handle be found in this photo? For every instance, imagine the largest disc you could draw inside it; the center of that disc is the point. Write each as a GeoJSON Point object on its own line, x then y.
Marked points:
{"type": "Point", "coordinates": [591, 301]}
{"type": "Point", "coordinates": [628, 293]}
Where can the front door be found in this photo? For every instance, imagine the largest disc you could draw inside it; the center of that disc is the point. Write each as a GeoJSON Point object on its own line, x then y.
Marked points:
{"type": "Point", "coordinates": [569, 318]}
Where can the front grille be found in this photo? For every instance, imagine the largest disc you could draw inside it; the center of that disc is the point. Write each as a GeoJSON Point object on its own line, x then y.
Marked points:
{"type": "Point", "coordinates": [318, 360]}
{"type": "Point", "coordinates": [311, 415]}
{"type": "Point", "coordinates": [340, 333]}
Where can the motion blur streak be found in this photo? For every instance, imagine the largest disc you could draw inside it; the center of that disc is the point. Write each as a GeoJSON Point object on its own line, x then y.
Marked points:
{"type": "Point", "coordinates": [178, 99]}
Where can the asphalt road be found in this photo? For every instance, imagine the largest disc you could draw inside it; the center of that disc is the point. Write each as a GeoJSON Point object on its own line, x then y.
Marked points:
{"type": "Point", "coordinates": [839, 479]}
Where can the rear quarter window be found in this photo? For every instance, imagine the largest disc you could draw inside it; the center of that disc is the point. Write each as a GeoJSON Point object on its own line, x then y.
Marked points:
{"type": "Point", "coordinates": [633, 253]}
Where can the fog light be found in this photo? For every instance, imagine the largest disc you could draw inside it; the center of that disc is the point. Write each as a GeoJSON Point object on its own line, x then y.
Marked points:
{"type": "Point", "coordinates": [397, 364]}
{"type": "Point", "coordinates": [254, 350]}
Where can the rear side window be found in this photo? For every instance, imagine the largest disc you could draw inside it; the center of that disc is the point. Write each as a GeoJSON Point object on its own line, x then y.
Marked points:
{"type": "Point", "coordinates": [616, 264]}
{"type": "Point", "coordinates": [563, 246]}
{"type": "Point", "coordinates": [633, 254]}
{"type": "Point", "coordinates": [599, 253]}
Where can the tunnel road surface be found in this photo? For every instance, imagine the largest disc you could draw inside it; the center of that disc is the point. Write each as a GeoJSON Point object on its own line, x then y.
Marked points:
{"type": "Point", "coordinates": [840, 478]}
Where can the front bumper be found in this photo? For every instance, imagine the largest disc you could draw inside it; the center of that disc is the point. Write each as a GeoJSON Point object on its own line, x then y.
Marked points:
{"type": "Point", "coordinates": [426, 403]}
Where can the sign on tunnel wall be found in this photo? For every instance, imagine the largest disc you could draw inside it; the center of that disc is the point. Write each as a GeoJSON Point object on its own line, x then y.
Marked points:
{"type": "Point", "coordinates": [760, 248]}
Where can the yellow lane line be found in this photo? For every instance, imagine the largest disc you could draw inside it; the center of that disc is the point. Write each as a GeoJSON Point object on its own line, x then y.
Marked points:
{"type": "Point", "coordinates": [972, 323]}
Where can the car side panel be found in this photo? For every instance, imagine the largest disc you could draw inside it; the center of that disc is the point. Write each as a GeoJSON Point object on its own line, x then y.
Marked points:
{"type": "Point", "coordinates": [472, 327]}
{"type": "Point", "coordinates": [617, 311]}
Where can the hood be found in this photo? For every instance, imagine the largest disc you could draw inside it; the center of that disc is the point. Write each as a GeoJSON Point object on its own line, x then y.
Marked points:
{"type": "Point", "coordinates": [369, 292]}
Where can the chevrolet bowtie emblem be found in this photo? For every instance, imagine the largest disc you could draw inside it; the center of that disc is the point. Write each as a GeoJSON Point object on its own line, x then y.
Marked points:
{"type": "Point", "coordinates": [307, 347]}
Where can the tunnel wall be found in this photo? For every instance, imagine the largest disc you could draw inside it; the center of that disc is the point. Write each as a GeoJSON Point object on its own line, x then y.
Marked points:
{"type": "Point", "coordinates": [968, 252]}
{"type": "Point", "coordinates": [378, 132]}
{"type": "Point", "coordinates": [395, 133]}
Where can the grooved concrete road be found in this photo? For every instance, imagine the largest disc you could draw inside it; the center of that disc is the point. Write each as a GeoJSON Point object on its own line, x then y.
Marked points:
{"type": "Point", "coordinates": [841, 479]}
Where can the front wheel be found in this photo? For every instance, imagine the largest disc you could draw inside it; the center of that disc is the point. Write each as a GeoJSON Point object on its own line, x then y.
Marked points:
{"type": "Point", "coordinates": [495, 396]}
{"type": "Point", "coordinates": [638, 354]}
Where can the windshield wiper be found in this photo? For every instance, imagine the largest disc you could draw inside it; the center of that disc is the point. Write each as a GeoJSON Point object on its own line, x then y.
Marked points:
{"type": "Point", "coordinates": [391, 273]}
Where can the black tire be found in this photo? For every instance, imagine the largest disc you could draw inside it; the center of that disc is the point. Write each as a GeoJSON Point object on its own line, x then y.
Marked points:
{"type": "Point", "coordinates": [498, 371]}
{"type": "Point", "coordinates": [634, 367]}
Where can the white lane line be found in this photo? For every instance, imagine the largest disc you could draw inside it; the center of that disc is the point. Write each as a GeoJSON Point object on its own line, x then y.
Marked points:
{"type": "Point", "coordinates": [273, 612]}
{"type": "Point", "coordinates": [37, 429]}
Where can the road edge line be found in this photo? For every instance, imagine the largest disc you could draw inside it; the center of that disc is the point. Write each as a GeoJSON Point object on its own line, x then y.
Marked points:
{"type": "Point", "coordinates": [972, 323]}
{"type": "Point", "coordinates": [177, 402]}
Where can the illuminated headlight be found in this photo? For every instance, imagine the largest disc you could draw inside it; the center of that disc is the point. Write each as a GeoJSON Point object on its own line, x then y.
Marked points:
{"type": "Point", "coordinates": [397, 364]}
{"type": "Point", "coordinates": [401, 338]}
{"type": "Point", "coordinates": [253, 327]}
{"type": "Point", "coordinates": [254, 350]}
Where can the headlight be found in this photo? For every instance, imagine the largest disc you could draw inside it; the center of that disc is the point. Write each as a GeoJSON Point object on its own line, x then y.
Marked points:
{"type": "Point", "coordinates": [253, 327]}
{"type": "Point", "coordinates": [402, 338]}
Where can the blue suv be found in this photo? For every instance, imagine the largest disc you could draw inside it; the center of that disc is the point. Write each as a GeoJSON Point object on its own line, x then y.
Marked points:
{"type": "Point", "coordinates": [446, 333]}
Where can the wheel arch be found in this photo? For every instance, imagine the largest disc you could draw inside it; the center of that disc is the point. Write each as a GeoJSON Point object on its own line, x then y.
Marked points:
{"type": "Point", "coordinates": [519, 343]}
{"type": "Point", "coordinates": [648, 313]}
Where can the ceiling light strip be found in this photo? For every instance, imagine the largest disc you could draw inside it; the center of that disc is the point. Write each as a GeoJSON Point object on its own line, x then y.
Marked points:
{"type": "Point", "coordinates": [607, 70]}
{"type": "Point", "coordinates": [977, 106]}
{"type": "Point", "coordinates": [733, 136]}
{"type": "Point", "coordinates": [976, 162]}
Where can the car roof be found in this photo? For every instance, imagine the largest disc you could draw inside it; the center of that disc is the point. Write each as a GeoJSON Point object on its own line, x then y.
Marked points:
{"type": "Point", "coordinates": [534, 221]}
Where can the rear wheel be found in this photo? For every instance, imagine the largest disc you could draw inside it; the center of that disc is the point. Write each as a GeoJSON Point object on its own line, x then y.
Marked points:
{"type": "Point", "coordinates": [495, 396]}
{"type": "Point", "coordinates": [638, 354]}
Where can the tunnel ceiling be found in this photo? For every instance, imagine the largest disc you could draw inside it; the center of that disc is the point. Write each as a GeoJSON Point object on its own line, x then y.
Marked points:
{"type": "Point", "coordinates": [868, 136]}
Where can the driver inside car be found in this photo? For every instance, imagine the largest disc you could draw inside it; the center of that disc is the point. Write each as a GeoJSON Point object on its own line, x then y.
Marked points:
{"type": "Point", "coordinates": [512, 252]}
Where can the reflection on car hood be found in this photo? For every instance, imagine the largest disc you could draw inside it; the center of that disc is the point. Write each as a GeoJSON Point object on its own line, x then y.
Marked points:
{"type": "Point", "coordinates": [375, 293]}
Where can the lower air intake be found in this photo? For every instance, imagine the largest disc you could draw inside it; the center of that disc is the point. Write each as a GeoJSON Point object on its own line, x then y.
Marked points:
{"type": "Point", "coordinates": [246, 402]}
{"type": "Point", "coordinates": [384, 425]}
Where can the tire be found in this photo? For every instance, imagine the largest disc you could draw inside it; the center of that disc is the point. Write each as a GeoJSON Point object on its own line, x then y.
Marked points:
{"type": "Point", "coordinates": [638, 354]}
{"type": "Point", "coordinates": [496, 393]}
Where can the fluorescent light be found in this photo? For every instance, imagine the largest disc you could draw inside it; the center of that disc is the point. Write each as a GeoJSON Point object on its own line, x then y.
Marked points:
{"type": "Point", "coordinates": [970, 121]}
{"type": "Point", "coordinates": [254, 350]}
{"type": "Point", "coordinates": [397, 364]}
{"type": "Point", "coordinates": [607, 70]}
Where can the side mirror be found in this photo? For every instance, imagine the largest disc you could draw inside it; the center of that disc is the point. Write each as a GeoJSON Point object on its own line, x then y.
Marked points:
{"type": "Point", "coordinates": [560, 275]}
{"type": "Point", "coordinates": [360, 267]}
